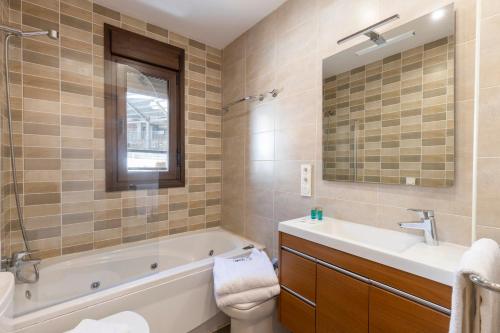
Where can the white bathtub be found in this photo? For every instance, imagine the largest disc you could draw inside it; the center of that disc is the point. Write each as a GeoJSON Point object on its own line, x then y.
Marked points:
{"type": "Point", "coordinates": [177, 296]}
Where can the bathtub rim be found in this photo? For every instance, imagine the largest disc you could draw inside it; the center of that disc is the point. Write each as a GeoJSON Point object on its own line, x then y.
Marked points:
{"type": "Point", "coordinates": [131, 287]}
{"type": "Point", "coordinates": [124, 246]}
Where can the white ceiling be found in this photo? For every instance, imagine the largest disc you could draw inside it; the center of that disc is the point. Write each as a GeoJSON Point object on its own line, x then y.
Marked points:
{"type": "Point", "coordinates": [214, 22]}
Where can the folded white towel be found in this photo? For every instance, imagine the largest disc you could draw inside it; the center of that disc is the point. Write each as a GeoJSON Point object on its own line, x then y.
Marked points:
{"type": "Point", "coordinates": [248, 296]}
{"type": "Point", "coordinates": [479, 311]}
{"type": "Point", "coordinates": [233, 276]}
{"type": "Point", "coordinates": [96, 326]}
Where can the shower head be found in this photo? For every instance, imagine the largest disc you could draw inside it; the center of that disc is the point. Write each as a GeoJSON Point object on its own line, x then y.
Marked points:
{"type": "Point", "coordinates": [52, 34]}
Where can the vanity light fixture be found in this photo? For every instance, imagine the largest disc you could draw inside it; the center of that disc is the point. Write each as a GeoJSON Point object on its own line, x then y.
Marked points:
{"type": "Point", "coordinates": [405, 36]}
{"type": "Point", "coordinates": [369, 31]}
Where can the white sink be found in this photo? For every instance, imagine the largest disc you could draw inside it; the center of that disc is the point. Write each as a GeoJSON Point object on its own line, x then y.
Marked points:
{"type": "Point", "coordinates": [367, 235]}
{"type": "Point", "coordinates": [400, 250]}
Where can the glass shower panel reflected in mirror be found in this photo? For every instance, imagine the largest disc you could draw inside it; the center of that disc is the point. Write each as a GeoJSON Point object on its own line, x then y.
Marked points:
{"type": "Point", "coordinates": [147, 122]}
{"type": "Point", "coordinates": [388, 107]}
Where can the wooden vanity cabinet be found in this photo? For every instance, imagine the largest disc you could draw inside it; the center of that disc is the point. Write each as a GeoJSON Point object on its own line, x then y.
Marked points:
{"type": "Point", "coordinates": [297, 308]}
{"type": "Point", "coordinates": [299, 275]}
{"type": "Point", "coordinates": [328, 291]}
{"type": "Point", "coordinates": [391, 313]}
{"type": "Point", "coordinates": [348, 296]}
{"type": "Point", "coordinates": [295, 314]}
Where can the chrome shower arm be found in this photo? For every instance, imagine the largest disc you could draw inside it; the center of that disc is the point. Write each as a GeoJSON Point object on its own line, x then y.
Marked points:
{"type": "Point", "coordinates": [10, 30]}
{"type": "Point", "coordinates": [53, 34]}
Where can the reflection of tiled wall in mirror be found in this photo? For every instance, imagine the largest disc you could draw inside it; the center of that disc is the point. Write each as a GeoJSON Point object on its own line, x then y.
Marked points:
{"type": "Point", "coordinates": [393, 120]}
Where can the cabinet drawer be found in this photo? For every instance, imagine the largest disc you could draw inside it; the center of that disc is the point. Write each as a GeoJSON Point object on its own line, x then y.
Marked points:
{"type": "Point", "coordinates": [390, 313]}
{"type": "Point", "coordinates": [298, 274]}
{"type": "Point", "coordinates": [342, 303]}
{"type": "Point", "coordinates": [296, 315]}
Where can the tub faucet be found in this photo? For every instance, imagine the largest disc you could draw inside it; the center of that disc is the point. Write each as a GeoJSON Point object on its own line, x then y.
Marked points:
{"type": "Point", "coordinates": [427, 223]}
{"type": "Point", "coordinates": [17, 262]}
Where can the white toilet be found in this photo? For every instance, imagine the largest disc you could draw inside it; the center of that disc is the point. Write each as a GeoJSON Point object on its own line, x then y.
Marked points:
{"type": "Point", "coordinates": [251, 317]}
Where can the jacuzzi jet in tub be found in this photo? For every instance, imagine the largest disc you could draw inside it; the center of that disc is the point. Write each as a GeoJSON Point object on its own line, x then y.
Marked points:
{"type": "Point", "coordinates": [210, 253]}
{"type": "Point", "coordinates": [95, 285]}
{"type": "Point", "coordinates": [154, 266]}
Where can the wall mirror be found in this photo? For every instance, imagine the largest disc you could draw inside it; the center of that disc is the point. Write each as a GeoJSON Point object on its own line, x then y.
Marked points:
{"type": "Point", "coordinates": [388, 106]}
{"type": "Point", "coordinates": [144, 112]}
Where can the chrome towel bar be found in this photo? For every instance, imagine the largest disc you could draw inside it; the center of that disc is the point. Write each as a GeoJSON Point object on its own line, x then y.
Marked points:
{"type": "Point", "coordinates": [273, 93]}
{"type": "Point", "coordinates": [482, 282]}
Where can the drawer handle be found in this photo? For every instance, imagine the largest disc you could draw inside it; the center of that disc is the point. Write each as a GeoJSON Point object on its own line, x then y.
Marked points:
{"type": "Point", "coordinates": [388, 288]}
{"type": "Point", "coordinates": [302, 298]}
{"type": "Point", "coordinates": [300, 254]}
{"type": "Point", "coordinates": [344, 271]}
{"type": "Point", "coordinates": [410, 297]}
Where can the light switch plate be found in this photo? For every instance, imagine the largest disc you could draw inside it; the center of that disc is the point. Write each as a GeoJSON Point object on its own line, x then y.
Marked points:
{"type": "Point", "coordinates": [410, 180]}
{"type": "Point", "coordinates": [306, 180]}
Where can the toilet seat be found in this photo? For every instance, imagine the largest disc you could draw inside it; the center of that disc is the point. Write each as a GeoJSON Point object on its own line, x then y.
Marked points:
{"type": "Point", "coordinates": [135, 322]}
{"type": "Point", "coordinates": [246, 306]}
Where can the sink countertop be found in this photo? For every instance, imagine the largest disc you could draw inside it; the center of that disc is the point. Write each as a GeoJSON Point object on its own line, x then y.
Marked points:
{"type": "Point", "coordinates": [403, 251]}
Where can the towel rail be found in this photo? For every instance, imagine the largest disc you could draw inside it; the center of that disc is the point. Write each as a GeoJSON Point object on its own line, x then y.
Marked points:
{"type": "Point", "coordinates": [480, 281]}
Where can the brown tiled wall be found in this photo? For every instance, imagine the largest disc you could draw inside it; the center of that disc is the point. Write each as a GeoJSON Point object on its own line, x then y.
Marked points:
{"type": "Point", "coordinates": [401, 110]}
{"type": "Point", "coordinates": [265, 143]}
{"type": "Point", "coordinates": [58, 98]}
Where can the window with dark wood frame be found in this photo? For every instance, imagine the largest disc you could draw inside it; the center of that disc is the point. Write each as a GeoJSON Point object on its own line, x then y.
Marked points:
{"type": "Point", "coordinates": [144, 112]}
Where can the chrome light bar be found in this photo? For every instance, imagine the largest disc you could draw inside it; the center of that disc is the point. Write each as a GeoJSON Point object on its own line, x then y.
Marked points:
{"type": "Point", "coordinates": [405, 36]}
{"type": "Point", "coordinates": [375, 37]}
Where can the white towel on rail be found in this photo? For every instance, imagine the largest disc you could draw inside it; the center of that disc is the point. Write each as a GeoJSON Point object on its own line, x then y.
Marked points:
{"type": "Point", "coordinates": [479, 311]}
{"type": "Point", "coordinates": [232, 276]}
{"type": "Point", "coordinates": [248, 296]}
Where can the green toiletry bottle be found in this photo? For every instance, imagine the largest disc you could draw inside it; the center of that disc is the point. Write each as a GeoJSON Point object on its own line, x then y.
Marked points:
{"type": "Point", "coordinates": [319, 212]}
{"type": "Point", "coordinates": [313, 213]}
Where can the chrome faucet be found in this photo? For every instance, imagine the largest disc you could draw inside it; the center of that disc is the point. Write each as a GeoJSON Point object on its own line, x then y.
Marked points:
{"type": "Point", "coordinates": [427, 223]}
{"type": "Point", "coordinates": [17, 262]}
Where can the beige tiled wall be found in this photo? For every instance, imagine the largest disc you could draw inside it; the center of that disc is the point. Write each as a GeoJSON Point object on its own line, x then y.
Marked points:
{"type": "Point", "coordinates": [488, 211]}
{"type": "Point", "coordinates": [264, 143]}
{"type": "Point", "coordinates": [58, 98]}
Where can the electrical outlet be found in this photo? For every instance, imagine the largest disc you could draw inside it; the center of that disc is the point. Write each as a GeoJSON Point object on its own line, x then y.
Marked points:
{"type": "Point", "coordinates": [306, 180]}
{"type": "Point", "coordinates": [410, 181]}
